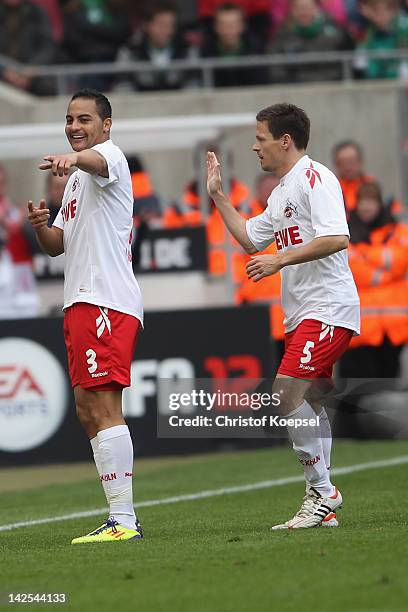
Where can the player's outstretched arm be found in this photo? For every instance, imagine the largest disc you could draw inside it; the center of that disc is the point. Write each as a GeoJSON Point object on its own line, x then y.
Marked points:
{"type": "Point", "coordinates": [231, 217]}
{"type": "Point", "coordinates": [88, 160]}
{"type": "Point", "coordinates": [50, 239]}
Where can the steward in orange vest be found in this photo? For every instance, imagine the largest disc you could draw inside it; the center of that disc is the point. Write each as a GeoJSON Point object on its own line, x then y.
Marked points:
{"type": "Point", "coordinates": [267, 291]}
{"type": "Point", "coordinates": [146, 205]}
{"type": "Point", "coordinates": [189, 214]}
{"type": "Point", "coordinates": [378, 257]}
{"type": "Point", "coordinates": [348, 159]}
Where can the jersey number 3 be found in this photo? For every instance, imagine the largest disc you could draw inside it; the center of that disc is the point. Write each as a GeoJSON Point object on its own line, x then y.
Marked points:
{"type": "Point", "coordinates": [91, 361]}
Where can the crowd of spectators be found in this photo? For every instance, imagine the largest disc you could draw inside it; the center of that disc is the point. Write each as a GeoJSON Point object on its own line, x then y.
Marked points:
{"type": "Point", "coordinates": [42, 32]}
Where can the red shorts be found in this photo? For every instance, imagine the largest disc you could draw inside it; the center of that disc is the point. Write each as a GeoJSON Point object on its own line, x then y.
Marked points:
{"type": "Point", "coordinates": [313, 348]}
{"type": "Point", "coordinates": [100, 345]}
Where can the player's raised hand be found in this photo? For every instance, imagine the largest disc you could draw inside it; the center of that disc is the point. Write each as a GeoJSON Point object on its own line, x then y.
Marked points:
{"type": "Point", "coordinates": [260, 266]}
{"type": "Point", "coordinates": [59, 164]}
{"type": "Point", "coordinates": [214, 184]}
{"type": "Point", "coordinates": [38, 216]}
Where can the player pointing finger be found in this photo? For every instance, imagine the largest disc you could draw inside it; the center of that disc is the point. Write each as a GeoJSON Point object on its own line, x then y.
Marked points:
{"type": "Point", "coordinates": [59, 164]}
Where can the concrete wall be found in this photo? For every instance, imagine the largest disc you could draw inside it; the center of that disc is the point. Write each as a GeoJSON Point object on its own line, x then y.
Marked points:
{"type": "Point", "coordinates": [367, 112]}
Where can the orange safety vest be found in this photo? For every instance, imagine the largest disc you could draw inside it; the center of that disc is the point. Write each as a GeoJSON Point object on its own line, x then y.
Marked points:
{"type": "Point", "coordinates": [217, 234]}
{"type": "Point", "coordinates": [141, 184]}
{"type": "Point", "coordinates": [380, 271]}
{"type": "Point", "coordinates": [266, 291]}
{"type": "Point", "coordinates": [350, 190]}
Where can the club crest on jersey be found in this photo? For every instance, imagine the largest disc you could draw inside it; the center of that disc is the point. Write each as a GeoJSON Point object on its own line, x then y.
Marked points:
{"type": "Point", "coordinates": [75, 184]}
{"type": "Point", "coordinates": [290, 210]}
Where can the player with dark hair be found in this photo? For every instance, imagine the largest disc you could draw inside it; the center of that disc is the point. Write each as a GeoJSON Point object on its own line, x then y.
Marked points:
{"type": "Point", "coordinates": [306, 217]}
{"type": "Point", "coordinates": [102, 300]}
{"type": "Point", "coordinates": [103, 106]}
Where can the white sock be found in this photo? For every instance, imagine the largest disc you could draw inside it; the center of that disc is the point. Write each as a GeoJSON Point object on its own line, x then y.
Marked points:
{"type": "Point", "coordinates": [307, 444]}
{"type": "Point", "coordinates": [96, 455]}
{"type": "Point", "coordinates": [326, 437]}
{"type": "Point", "coordinates": [115, 454]}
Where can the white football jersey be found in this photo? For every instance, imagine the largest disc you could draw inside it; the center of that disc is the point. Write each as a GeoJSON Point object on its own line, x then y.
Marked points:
{"type": "Point", "coordinates": [96, 217]}
{"type": "Point", "coordinates": [308, 203]}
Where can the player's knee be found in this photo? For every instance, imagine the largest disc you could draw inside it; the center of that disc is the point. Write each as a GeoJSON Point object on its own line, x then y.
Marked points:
{"type": "Point", "coordinates": [84, 415]}
{"type": "Point", "coordinates": [286, 400]}
{"type": "Point", "coordinates": [85, 407]}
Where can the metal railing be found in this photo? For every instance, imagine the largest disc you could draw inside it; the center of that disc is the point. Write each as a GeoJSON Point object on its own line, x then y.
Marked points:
{"type": "Point", "coordinates": [206, 67]}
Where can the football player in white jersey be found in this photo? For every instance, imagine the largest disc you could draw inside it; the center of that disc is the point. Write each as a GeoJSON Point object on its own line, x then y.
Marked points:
{"type": "Point", "coordinates": [103, 310]}
{"type": "Point", "coordinates": [306, 217]}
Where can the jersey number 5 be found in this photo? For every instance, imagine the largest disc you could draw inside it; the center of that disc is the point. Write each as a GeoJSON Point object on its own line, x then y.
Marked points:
{"type": "Point", "coordinates": [307, 355]}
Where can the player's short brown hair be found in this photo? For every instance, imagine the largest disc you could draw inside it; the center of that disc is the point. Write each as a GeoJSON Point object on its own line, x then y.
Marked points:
{"type": "Point", "coordinates": [287, 119]}
{"type": "Point", "coordinates": [103, 106]}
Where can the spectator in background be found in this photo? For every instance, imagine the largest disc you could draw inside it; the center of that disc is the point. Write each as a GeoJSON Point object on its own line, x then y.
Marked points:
{"type": "Point", "coordinates": [337, 9]}
{"type": "Point", "coordinates": [18, 294]}
{"type": "Point", "coordinates": [257, 13]}
{"type": "Point", "coordinates": [308, 29]}
{"type": "Point", "coordinates": [269, 290]}
{"type": "Point", "coordinates": [190, 214]}
{"type": "Point", "coordinates": [12, 220]}
{"type": "Point", "coordinates": [378, 257]}
{"type": "Point", "coordinates": [146, 203]}
{"type": "Point", "coordinates": [147, 209]}
{"type": "Point", "coordinates": [348, 159]}
{"type": "Point", "coordinates": [160, 43]}
{"type": "Point", "coordinates": [26, 37]}
{"type": "Point", "coordinates": [6, 276]}
{"type": "Point", "coordinates": [229, 40]}
{"type": "Point", "coordinates": [387, 29]}
{"type": "Point", "coordinates": [53, 10]}
{"type": "Point", "coordinates": [9, 213]}
{"type": "Point", "coordinates": [357, 23]}
{"type": "Point", "coordinates": [94, 30]}
{"type": "Point", "coordinates": [264, 185]}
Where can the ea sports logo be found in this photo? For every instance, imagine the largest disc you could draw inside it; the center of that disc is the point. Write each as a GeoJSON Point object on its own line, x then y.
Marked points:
{"type": "Point", "coordinates": [33, 394]}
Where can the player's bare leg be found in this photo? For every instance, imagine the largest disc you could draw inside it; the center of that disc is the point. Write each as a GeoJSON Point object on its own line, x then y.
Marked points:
{"type": "Point", "coordinates": [98, 410]}
{"type": "Point", "coordinates": [100, 413]}
{"type": "Point", "coordinates": [322, 497]}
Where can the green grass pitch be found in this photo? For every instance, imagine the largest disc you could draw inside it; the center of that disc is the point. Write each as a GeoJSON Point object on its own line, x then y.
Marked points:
{"type": "Point", "coordinates": [215, 554]}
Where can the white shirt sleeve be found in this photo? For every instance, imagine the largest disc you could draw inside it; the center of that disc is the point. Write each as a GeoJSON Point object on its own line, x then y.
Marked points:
{"type": "Point", "coordinates": [113, 156]}
{"type": "Point", "coordinates": [59, 221]}
{"type": "Point", "coordinates": [327, 208]}
{"type": "Point", "coordinates": [260, 230]}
